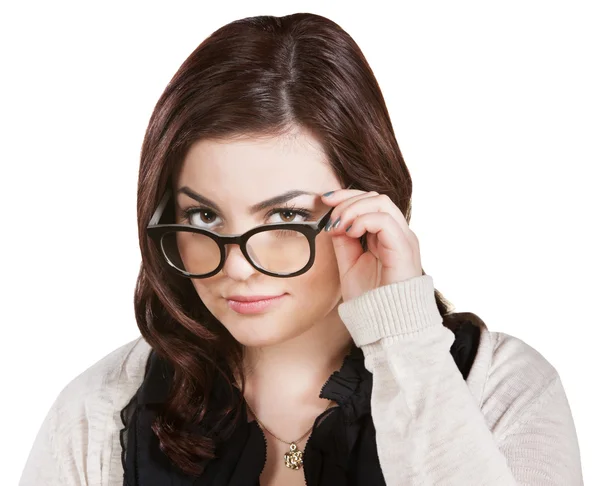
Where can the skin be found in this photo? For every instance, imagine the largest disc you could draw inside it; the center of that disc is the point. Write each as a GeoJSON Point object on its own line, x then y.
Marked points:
{"type": "Point", "coordinates": [292, 348]}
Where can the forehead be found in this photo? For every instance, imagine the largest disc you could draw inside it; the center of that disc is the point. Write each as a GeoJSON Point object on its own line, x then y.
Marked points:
{"type": "Point", "coordinates": [294, 160]}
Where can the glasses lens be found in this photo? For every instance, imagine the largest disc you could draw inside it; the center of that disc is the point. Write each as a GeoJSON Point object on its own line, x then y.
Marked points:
{"type": "Point", "coordinates": [279, 251]}
{"type": "Point", "coordinates": [191, 252]}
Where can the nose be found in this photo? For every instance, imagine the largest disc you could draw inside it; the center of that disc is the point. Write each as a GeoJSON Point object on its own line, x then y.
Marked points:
{"type": "Point", "coordinates": [236, 266]}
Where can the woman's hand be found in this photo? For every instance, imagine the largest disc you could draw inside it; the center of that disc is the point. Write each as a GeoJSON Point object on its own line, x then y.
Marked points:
{"type": "Point", "coordinates": [393, 249]}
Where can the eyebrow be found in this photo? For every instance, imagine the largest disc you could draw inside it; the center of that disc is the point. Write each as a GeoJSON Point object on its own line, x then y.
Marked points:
{"type": "Point", "coordinates": [261, 206]}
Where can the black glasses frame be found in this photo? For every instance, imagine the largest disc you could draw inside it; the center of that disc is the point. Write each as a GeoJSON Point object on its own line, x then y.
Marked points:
{"type": "Point", "coordinates": [156, 231]}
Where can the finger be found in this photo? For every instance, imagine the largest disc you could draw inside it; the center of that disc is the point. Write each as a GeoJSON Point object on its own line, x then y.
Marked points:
{"type": "Point", "coordinates": [343, 204]}
{"type": "Point", "coordinates": [345, 197]}
{"type": "Point", "coordinates": [372, 244]}
{"type": "Point", "coordinates": [391, 240]}
{"type": "Point", "coordinates": [344, 201]}
{"type": "Point", "coordinates": [334, 197]}
{"type": "Point", "coordinates": [347, 251]}
{"type": "Point", "coordinates": [344, 214]}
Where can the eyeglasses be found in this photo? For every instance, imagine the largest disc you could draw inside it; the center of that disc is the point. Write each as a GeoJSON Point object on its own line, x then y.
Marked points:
{"type": "Point", "coordinates": [276, 249]}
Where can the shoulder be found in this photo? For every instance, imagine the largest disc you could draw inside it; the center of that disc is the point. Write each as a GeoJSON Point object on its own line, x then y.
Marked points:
{"type": "Point", "coordinates": [509, 376]}
{"type": "Point", "coordinates": [92, 400]}
{"type": "Point", "coordinates": [118, 373]}
{"type": "Point", "coordinates": [516, 365]}
{"type": "Point", "coordinates": [74, 443]}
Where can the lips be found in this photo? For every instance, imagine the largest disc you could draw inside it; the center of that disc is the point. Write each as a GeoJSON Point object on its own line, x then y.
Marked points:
{"type": "Point", "coordinates": [251, 298]}
{"type": "Point", "coordinates": [257, 304]}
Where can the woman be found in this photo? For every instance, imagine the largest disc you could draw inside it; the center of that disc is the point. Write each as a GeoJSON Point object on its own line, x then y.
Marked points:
{"type": "Point", "coordinates": [289, 335]}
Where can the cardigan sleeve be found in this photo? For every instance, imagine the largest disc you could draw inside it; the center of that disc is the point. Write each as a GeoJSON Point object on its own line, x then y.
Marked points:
{"type": "Point", "coordinates": [429, 428]}
{"type": "Point", "coordinates": [79, 436]}
{"type": "Point", "coordinates": [44, 466]}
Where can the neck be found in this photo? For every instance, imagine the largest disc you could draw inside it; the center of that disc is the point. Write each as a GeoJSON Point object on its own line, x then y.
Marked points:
{"type": "Point", "coordinates": [295, 371]}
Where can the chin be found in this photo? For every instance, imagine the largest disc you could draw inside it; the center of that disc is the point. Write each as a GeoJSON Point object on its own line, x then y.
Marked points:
{"type": "Point", "coordinates": [261, 331]}
{"type": "Point", "coordinates": [260, 340]}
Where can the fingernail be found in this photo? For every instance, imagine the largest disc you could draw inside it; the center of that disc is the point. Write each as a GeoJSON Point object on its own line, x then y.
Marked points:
{"type": "Point", "coordinates": [327, 226]}
{"type": "Point", "coordinates": [348, 228]}
{"type": "Point", "coordinates": [337, 222]}
{"type": "Point", "coordinates": [327, 194]}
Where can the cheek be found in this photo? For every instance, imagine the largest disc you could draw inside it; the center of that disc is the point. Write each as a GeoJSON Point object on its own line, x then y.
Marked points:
{"type": "Point", "coordinates": [325, 254]}
{"type": "Point", "coordinates": [202, 287]}
{"type": "Point", "coordinates": [324, 274]}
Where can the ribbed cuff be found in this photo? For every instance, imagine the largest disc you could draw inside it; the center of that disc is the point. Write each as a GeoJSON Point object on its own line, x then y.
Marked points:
{"type": "Point", "coordinates": [405, 308]}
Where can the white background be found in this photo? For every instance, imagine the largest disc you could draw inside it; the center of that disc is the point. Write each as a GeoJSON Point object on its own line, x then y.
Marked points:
{"type": "Point", "coordinates": [496, 109]}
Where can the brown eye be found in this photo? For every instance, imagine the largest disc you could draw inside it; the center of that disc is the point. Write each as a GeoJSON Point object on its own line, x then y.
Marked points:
{"type": "Point", "coordinates": [201, 218]}
{"type": "Point", "coordinates": [288, 216]}
{"type": "Point", "coordinates": [205, 216]}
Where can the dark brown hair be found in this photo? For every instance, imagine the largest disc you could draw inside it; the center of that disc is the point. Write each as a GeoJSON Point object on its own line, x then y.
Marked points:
{"type": "Point", "coordinates": [255, 76]}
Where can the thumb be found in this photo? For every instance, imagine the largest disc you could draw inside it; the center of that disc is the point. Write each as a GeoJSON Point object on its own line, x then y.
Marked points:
{"type": "Point", "coordinates": [347, 252]}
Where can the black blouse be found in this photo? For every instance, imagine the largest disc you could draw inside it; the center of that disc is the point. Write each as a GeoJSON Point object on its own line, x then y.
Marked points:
{"type": "Point", "coordinates": [341, 449]}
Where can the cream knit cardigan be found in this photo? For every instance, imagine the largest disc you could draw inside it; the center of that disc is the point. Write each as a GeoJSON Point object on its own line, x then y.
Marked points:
{"type": "Point", "coordinates": [508, 424]}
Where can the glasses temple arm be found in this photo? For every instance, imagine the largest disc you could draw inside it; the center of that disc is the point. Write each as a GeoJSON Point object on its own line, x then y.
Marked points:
{"type": "Point", "coordinates": [160, 209]}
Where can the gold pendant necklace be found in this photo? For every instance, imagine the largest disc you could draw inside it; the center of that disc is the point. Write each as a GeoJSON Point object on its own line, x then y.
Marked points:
{"type": "Point", "coordinates": [294, 457]}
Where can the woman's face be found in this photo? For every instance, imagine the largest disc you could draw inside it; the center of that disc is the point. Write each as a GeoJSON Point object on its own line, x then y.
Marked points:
{"type": "Point", "coordinates": [236, 175]}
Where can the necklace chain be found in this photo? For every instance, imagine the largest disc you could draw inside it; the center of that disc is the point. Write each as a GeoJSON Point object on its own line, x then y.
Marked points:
{"type": "Point", "coordinates": [281, 440]}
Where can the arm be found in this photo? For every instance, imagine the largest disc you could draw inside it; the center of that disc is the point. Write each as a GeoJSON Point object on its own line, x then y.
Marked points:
{"type": "Point", "coordinates": [78, 442]}
{"type": "Point", "coordinates": [430, 430]}
{"type": "Point", "coordinates": [43, 466]}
